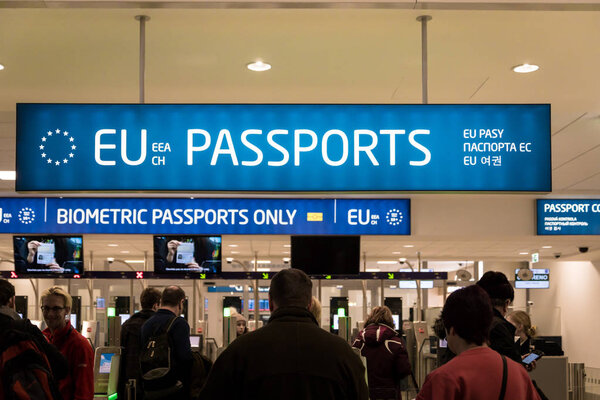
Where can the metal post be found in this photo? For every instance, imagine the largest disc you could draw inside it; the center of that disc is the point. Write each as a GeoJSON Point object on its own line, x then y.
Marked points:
{"type": "Point", "coordinates": [364, 296]}
{"type": "Point", "coordinates": [418, 317]}
{"type": "Point", "coordinates": [381, 285]}
{"type": "Point", "coordinates": [423, 20]}
{"type": "Point", "coordinates": [142, 19]}
{"type": "Point", "coordinates": [256, 298]}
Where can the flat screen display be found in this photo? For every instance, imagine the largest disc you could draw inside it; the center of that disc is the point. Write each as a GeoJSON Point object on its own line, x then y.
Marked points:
{"type": "Point", "coordinates": [105, 363]}
{"type": "Point", "coordinates": [48, 254]}
{"type": "Point", "coordinates": [326, 255]}
{"type": "Point", "coordinates": [540, 280]}
{"type": "Point", "coordinates": [413, 284]}
{"type": "Point", "coordinates": [181, 254]}
{"type": "Point", "coordinates": [194, 341]}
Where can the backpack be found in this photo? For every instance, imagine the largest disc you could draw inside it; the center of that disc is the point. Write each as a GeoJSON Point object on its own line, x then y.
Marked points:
{"type": "Point", "coordinates": [156, 365]}
{"type": "Point", "coordinates": [25, 370]}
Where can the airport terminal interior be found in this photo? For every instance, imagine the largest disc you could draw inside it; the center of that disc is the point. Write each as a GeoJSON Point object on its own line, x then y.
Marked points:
{"type": "Point", "coordinates": [321, 53]}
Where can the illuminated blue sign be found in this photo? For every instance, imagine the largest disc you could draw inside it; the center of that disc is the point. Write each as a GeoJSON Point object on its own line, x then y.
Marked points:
{"type": "Point", "coordinates": [568, 217]}
{"type": "Point", "coordinates": [205, 216]}
{"type": "Point", "coordinates": [279, 147]}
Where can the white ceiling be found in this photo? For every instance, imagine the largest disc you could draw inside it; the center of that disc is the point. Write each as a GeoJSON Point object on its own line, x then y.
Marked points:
{"type": "Point", "coordinates": [77, 51]}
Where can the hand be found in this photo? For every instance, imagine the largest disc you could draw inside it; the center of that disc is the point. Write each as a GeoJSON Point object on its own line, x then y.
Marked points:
{"type": "Point", "coordinates": [31, 250]}
{"type": "Point", "coordinates": [172, 248]}
{"type": "Point", "coordinates": [54, 266]}
{"type": "Point", "coordinates": [193, 266]}
{"type": "Point", "coordinates": [531, 366]}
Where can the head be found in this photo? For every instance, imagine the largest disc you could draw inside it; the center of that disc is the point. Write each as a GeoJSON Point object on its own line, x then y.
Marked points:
{"type": "Point", "coordinates": [467, 317]}
{"type": "Point", "coordinates": [172, 298]}
{"type": "Point", "coordinates": [7, 294]}
{"type": "Point", "coordinates": [380, 315]}
{"type": "Point", "coordinates": [522, 323]}
{"type": "Point", "coordinates": [499, 289]}
{"type": "Point", "coordinates": [150, 298]}
{"type": "Point", "coordinates": [315, 309]}
{"type": "Point", "coordinates": [56, 305]}
{"type": "Point", "coordinates": [240, 324]}
{"type": "Point", "coordinates": [290, 288]}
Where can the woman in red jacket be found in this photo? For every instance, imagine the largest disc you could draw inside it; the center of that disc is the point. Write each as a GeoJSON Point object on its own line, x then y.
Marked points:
{"type": "Point", "coordinates": [387, 359]}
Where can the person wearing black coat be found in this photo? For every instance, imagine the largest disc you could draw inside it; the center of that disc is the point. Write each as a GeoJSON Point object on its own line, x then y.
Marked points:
{"type": "Point", "coordinates": [9, 319]}
{"type": "Point", "coordinates": [291, 357]}
{"type": "Point", "coordinates": [131, 342]}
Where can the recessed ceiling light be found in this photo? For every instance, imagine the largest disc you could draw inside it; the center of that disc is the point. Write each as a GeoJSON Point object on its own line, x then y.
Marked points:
{"type": "Point", "coordinates": [1, 67]}
{"type": "Point", "coordinates": [286, 259]}
{"type": "Point", "coordinates": [523, 253]}
{"type": "Point", "coordinates": [124, 252]}
{"type": "Point", "coordinates": [135, 261]}
{"type": "Point", "coordinates": [546, 247]}
{"type": "Point", "coordinates": [263, 269]}
{"type": "Point", "coordinates": [396, 252]}
{"type": "Point", "coordinates": [387, 262]}
{"type": "Point", "coordinates": [112, 245]}
{"type": "Point", "coordinates": [229, 259]}
{"type": "Point", "coordinates": [373, 270]}
{"type": "Point", "coordinates": [235, 252]}
{"type": "Point", "coordinates": [258, 66]}
{"type": "Point", "coordinates": [285, 252]}
{"type": "Point", "coordinates": [262, 261]}
{"type": "Point", "coordinates": [287, 245]}
{"type": "Point", "coordinates": [232, 245]}
{"type": "Point", "coordinates": [8, 175]}
{"type": "Point", "coordinates": [409, 245]}
{"type": "Point", "coordinates": [525, 68]}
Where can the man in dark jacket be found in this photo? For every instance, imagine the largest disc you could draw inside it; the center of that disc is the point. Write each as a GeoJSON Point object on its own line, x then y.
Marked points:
{"type": "Point", "coordinates": [9, 319]}
{"type": "Point", "coordinates": [131, 332]}
{"type": "Point", "coordinates": [502, 333]}
{"type": "Point", "coordinates": [171, 307]}
{"type": "Point", "coordinates": [291, 357]}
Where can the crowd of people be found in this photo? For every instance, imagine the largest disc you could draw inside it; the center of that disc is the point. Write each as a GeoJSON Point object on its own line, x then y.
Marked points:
{"type": "Point", "coordinates": [290, 357]}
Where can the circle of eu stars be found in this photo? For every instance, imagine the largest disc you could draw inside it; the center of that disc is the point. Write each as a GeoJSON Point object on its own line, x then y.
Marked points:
{"type": "Point", "coordinates": [394, 217]}
{"type": "Point", "coordinates": [57, 147]}
{"type": "Point", "coordinates": [26, 215]}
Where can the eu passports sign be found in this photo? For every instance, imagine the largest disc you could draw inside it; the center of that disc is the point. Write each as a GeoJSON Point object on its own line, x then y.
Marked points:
{"type": "Point", "coordinates": [205, 216]}
{"type": "Point", "coordinates": [282, 147]}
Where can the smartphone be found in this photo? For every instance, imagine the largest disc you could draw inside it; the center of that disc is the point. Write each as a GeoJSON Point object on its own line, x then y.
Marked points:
{"type": "Point", "coordinates": [534, 355]}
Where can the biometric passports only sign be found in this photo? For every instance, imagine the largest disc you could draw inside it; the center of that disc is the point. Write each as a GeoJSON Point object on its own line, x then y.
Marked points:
{"type": "Point", "coordinates": [205, 216]}
{"type": "Point", "coordinates": [283, 147]}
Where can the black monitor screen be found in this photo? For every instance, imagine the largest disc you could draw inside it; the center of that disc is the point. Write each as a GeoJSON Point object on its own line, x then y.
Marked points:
{"type": "Point", "coordinates": [318, 255]}
{"type": "Point", "coordinates": [48, 254]}
{"type": "Point", "coordinates": [181, 254]}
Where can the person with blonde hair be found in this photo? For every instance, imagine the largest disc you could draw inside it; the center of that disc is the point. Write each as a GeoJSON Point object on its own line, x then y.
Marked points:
{"type": "Point", "coordinates": [79, 383]}
{"type": "Point", "coordinates": [523, 329]}
{"type": "Point", "coordinates": [387, 359]}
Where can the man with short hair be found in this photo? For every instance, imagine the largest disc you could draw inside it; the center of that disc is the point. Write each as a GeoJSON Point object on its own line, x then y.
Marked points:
{"type": "Point", "coordinates": [79, 383]}
{"type": "Point", "coordinates": [291, 357]}
{"type": "Point", "coordinates": [502, 333]}
{"type": "Point", "coordinates": [131, 333]}
{"type": "Point", "coordinates": [477, 372]}
{"type": "Point", "coordinates": [171, 307]}
{"type": "Point", "coordinates": [9, 319]}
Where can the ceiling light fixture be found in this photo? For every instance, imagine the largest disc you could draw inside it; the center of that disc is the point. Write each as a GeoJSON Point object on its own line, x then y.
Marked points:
{"type": "Point", "coordinates": [262, 261]}
{"type": "Point", "coordinates": [387, 262]}
{"type": "Point", "coordinates": [525, 68]}
{"type": "Point", "coordinates": [523, 253]}
{"type": "Point", "coordinates": [258, 66]}
{"type": "Point", "coordinates": [1, 67]}
{"type": "Point", "coordinates": [373, 270]}
{"type": "Point", "coordinates": [135, 261]}
{"type": "Point", "coordinates": [235, 252]}
{"type": "Point", "coordinates": [409, 245]}
{"type": "Point", "coordinates": [287, 245]}
{"type": "Point", "coordinates": [124, 252]}
{"type": "Point", "coordinates": [112, 245]}
{"type": "Point", "coordinates": [232, 245]}
{"type": "Point", "coordinates": [8, 175]}
{"type": "Point", "coordinates": [546, 247]}
{"type": "Point", "coordinates": [396, 252]}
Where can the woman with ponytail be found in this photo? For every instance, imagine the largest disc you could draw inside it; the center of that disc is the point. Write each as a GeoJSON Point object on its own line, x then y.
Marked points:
{"type": "Point", "coordinates": [524, 330]}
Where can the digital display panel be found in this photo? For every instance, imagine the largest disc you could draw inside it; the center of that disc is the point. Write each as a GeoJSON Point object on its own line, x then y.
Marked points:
{"type": "Point", "coordinates": [318, 255]}
{"type": "Point", "coordinates": [181, 254]}
{"type": "Point", "coordinates": [413, 284]}
{"type": "Point", "coordinates": [540, 280]}
{"type": "Point", "coordinates": [48, 254]}
{"type": "Point", "coordinates": [105, 363]}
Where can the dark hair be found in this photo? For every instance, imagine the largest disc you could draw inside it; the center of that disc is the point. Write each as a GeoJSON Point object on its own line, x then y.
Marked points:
{"type": "Point", "coordinates": [172, 296]}
{"type": "Point", "coordinates": [469, 312]}
{"type": "Point", "coordinates": [497, 287]}
{"type": "Point", "coordinates": [291, 288]}
{"type": "Point", "coordinates": [7, 291]}
{"type": "Point", "coordinates": [438, 328]}
{"type": "Point", "coordinates": [380, 315]}
{"type": "Point", "coordinates": [150, 297]}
